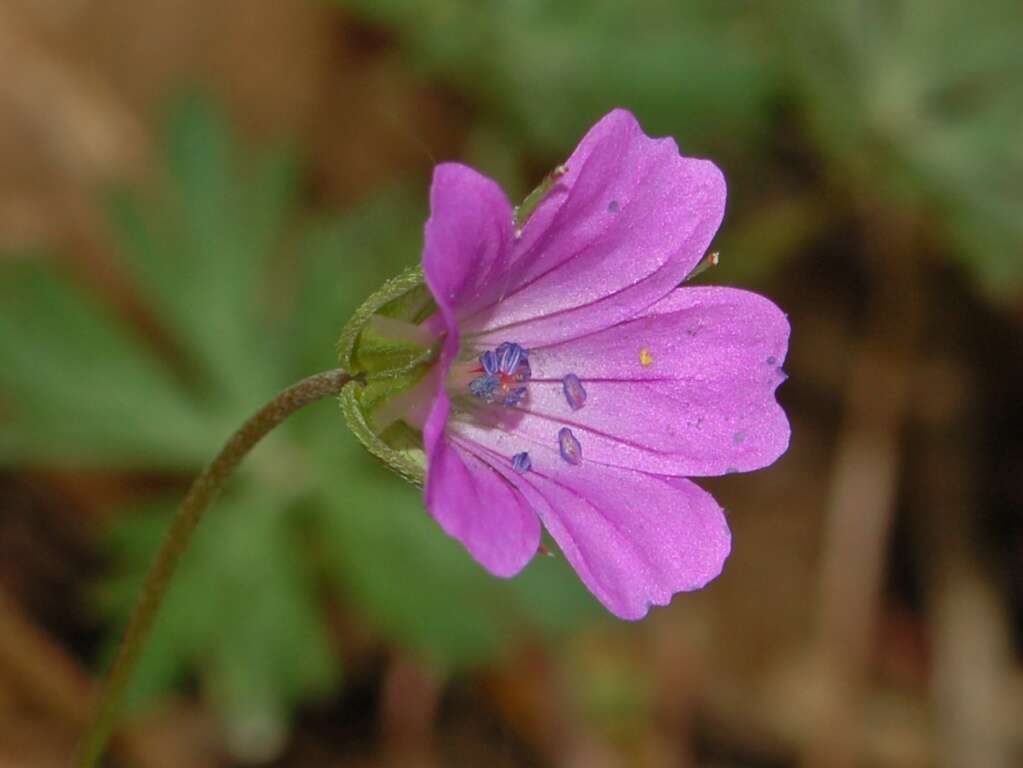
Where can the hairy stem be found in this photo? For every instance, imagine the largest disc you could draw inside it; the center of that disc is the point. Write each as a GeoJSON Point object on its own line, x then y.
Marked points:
{"type": "Point", "coordinates": [199, 496]}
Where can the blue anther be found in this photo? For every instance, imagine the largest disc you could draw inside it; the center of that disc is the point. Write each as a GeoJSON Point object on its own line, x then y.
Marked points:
{"type": "Point", "coordinates": [521, 462]}
{"type": "Point", "coordinates": [508, 356]}
{"type": "Point", "coordinates": [525, 372]}
{"type": "Point", "coordinates": [503, 369]}
{"type": "Point", "coordinates": [514, 397]}
{"type": "Point", "coordinates": [489, 362]}
{"type": "Point", "coordinates": [485, 387]}
{"type": "Point", "coordinates": [574, 392]}
{"type": "Point", "coordinates": [571, 450]}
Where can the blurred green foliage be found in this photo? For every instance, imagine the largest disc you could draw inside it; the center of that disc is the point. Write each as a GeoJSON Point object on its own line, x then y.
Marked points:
{"type": "Point", "coordinates": [914, 106]}
{"type": "Point", "coordinates": [918, 105]}
{"type": "Point", "coordinates": [252, 299]}
{"type": "Point", "coordinates": [546, 71]}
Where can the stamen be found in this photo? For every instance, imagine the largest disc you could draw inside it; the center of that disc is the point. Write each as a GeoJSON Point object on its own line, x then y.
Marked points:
{"type": "Point", "coordinates": [514, 397]}
{"type": "Point", "coordinates": [711, 260]}
{"type": "Point", "coordinates": [508, 356]}
{"type": "Point", "coordinates": [485, 387]}
{"type": "Point", "coordinates": [521, 463]}
{"type": "Point", "coordinates": [488, 361]}
{"type": "Point", "coordinates": [571, 450]}
{"type": "Point", "coordinates": [574, 392]}
{"type": "Point", "coordinates": [504, 369]}
{"type": "Point", "coordinates": [525, 371]}
{"type": "Point", "coordinates": [534, 198]}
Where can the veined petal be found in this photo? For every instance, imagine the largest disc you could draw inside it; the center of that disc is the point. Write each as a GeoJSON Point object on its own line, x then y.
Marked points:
{"type": "Point", "coordinates": [626, 223]}
{"type": "Point", "coordinates": [480, 508]}
{"type": "Point", "coordinates": [465, 253]}
{"type": "Point", "coordinates": [634, 539]}
{"type": "Point", "coordinates": [686, 389]}
{"type": "Point", "coordinates": [468, 240]}
{"type": "Point", "coordinates": [629, 384]}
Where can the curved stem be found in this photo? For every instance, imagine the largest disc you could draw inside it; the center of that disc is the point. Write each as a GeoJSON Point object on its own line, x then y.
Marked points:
{"type": "Point", "coordinates": [178, 536]}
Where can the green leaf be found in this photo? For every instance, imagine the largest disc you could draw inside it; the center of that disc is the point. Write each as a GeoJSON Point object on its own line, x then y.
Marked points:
{"type": "Point", "coordinates": [243, 606]}
{"type": "Point", "coordinates": [908, 105]}
{"type": "Point", "coordinates": [76, 388]}
{"type": "Point", "coordinates": [201, 245]}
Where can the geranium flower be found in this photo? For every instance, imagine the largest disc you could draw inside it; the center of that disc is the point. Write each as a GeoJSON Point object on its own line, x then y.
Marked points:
{"type": "Point", "coordinates": [578, 386]}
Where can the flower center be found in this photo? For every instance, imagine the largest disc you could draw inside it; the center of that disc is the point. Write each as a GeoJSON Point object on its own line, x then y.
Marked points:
{"type": "Point", "coordinates": [505, 372]}
{"type": "Point", "coordinates": [501, 378]}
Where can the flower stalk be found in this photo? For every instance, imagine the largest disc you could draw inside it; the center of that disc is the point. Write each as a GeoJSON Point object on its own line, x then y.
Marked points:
{"type": "Point", "coordinates": [202, 492]}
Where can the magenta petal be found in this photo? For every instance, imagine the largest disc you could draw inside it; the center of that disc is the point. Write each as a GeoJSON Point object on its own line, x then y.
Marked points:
{"type": "Point", "coordinates": [634, 539]}
{"type": "Point", "coordinates": [467, 239]}
{"type": "Point", "coordinates": [703, 405]}
{"type": "Point", "coordinates": [470, 501]}
{"type": "Point", "coordinates": [465, 254]}
{"type": "Point", "coordinates": [633, 385]}
{"type": "Point", "coordinates": [627, 222]}
{"type": "Point", "coordinates": [477, 506]}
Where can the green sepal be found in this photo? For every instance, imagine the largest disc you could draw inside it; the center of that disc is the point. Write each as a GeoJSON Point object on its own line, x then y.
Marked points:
{"type": "Point", "coordinates": [404, 297]}
{"type": "Point", "coordinates": [406, 457]}
{"type": "Point", "coordinates": [383, 350]}
{"type": "Point", "coordinates": [526, 208]}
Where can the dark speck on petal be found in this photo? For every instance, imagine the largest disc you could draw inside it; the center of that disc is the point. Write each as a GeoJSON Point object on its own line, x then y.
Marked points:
{"type": "Point", "coordinates": [739, 437]}
{"type": "Point", "coordinates": [771, 360]}
{"type": "Point", "coordinates": [613, 207]}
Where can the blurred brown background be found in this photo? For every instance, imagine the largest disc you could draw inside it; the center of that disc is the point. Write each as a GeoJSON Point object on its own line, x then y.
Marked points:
{"type": "Point", "coordinates": [195, 195]}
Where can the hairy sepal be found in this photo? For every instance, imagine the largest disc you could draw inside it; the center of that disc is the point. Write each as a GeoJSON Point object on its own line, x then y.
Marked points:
{"type": "Point", "coordinates": [386, 363]}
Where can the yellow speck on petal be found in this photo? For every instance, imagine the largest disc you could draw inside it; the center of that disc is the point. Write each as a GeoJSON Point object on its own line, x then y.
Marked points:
{"type": "Point", "coordinates": [645, 358]}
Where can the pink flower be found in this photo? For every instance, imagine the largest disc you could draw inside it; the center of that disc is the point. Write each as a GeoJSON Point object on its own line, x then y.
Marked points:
{"type": "Point", "coordinates": [578, 386]}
